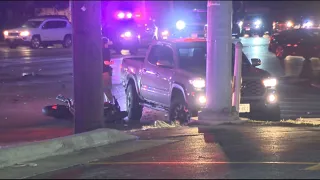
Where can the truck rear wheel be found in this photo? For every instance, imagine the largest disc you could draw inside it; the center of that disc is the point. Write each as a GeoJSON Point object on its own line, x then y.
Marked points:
{"type": "Point", "coordinates": [133, 107]}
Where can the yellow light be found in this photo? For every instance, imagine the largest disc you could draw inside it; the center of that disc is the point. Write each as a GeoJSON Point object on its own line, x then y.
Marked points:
{"type": "Point", "coordinates": [24, 33]}
{"type": "Point", "coordinates": [289, 24]}
{"type": "Point", "coordinates": [6, 33]}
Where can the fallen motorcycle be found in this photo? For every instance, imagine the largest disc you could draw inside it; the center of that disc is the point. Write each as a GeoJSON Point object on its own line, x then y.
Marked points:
{"type": "Point", "coordinates": [112, 112]}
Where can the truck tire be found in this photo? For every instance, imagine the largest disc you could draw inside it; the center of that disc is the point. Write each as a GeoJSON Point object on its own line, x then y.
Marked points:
{"type": "Point", "coordinates": [132, 102]}
{"type": "Point", "coordinates": [67, 41]}
{"type": "Point", "coordinates": [35, 42]}
{"type": "Point", "coordinates": [280, 53]}
{"type": "Point", "coordinates": [179, 111]}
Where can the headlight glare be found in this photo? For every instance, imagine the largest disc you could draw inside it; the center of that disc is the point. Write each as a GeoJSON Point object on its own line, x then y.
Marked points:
{"type": "Point", "coordinates": [6, 33]}
{"type": "Point", "coordinates": [198, 83]}
{"type": "Point", "coordinates": [180, 25]}
{"type": "Point", "coordinates": [24, 33]}
{"type": "Point", "coordinates": [271, 82]}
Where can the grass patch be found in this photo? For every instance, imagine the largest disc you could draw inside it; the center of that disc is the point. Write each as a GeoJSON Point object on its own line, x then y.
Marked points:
{"type": "Point", "coordinates": [309, 122]}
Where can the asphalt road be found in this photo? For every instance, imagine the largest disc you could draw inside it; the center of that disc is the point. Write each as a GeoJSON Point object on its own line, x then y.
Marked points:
{"type": "Point", "coordinates": [31, 79]}
{"type": "Point", "coordinates": [224, 152]}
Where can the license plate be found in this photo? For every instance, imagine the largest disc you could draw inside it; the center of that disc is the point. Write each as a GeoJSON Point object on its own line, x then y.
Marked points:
{"type": "Point", "coordinates": [244, 108]}
{"type": "Point", "coordinates": [194, 35]}
{"type": "Point", "coordinates": [248, 29]}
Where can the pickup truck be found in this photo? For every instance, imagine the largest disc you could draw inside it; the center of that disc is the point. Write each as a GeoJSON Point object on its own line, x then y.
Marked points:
{"type": "Point", "coordinates": [171, 77]}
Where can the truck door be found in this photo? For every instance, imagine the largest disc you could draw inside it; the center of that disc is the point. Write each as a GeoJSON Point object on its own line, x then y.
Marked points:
{"type": "Point", "coordinates": [164, 75]}
{"type": "Point", "coordinates": [149, 76]}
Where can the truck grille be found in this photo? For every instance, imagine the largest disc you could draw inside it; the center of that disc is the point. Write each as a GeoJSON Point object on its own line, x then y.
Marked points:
{"type": "Point", "coordinates": [13, 34]}
{"type": "Point", "coordinates": [252, 88]}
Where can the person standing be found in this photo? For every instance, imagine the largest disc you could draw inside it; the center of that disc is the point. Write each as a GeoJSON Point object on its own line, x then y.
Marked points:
{"type": "Point", "coordinates": [107, 69]}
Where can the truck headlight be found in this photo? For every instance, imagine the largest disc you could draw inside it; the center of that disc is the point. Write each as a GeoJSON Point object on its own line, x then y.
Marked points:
{"type": "Point", "coordinates": [5, 33]}
{"type": "Point", "coordinates": [198, 83]}
{"type": "Point", "coordinates": [180, 25]}
{"type": "Point", "coordinates": [202, 99]}
{"type": "Point", "coordinates": [270, 82]}
{"type": "Point", "coordinates": [24, 33]}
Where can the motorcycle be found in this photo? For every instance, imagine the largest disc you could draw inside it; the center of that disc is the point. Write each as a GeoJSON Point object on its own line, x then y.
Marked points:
{"type": "Point", "coordinates": [112, 112]}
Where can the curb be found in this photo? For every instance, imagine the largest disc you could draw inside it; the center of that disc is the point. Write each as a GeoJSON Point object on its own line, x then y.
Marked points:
{"type": "Point", "coordinates": [316, 85]}
{"type": "Point", "coordinates": [208, 123]}
{"type": "Point", "coordinates": [12, 155]}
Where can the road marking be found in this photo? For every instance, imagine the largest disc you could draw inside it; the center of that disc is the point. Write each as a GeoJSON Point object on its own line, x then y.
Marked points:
{"type": "Point", "coordinates": [200, 162]}
{"type": "Point", "coordinates": [313, 168]}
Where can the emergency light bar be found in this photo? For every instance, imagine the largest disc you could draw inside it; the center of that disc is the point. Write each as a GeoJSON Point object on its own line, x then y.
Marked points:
{"type": "Point", "coordinates": [122, 15]}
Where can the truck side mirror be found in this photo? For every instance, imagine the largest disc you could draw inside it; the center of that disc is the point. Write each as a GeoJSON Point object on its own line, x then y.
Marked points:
{"type": "Point", "coordinates": [255, 62]}
{"type": "Point", "coordinates": [164, 64]}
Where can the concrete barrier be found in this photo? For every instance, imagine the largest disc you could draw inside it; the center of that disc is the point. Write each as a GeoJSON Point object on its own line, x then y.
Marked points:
{"type": "Point", "coordinates": [12, 155]}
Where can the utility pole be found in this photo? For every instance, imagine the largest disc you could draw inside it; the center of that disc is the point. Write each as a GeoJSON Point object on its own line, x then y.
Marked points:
{"type": "Point", "coordinates": [87, 65]}
{"type": "Point", "coordinates": [171, 3]}
{"type": "Point", "coordinates": [218, 73]}
{"type": "Point", "coordinates": [70, 10]}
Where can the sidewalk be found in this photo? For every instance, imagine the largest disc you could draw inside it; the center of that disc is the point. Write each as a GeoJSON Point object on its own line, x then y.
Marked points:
{"type": "Point", "coordinates": [316, 84]}
{"type": "Point", "coordinates": [224, 152]}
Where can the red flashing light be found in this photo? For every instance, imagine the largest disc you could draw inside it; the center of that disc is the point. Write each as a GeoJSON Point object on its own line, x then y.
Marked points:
{"type": "Point", "coordinates": [54, 107]}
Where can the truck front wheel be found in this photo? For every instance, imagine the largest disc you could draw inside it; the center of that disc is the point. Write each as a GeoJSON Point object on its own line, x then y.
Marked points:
{"type": "Point", "coordinates": [179, 110]}
{"type": "Point", "coordinates": [134, 109]}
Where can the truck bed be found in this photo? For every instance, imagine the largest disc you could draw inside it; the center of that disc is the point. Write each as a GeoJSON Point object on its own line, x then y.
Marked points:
{"type": "Point", "coordinates": [131, 65]}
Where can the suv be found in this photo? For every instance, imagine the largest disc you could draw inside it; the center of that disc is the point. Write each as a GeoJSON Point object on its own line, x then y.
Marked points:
{"type": "Point", "coordinates": [41, 31]}
{"type": "Point", "coordinates": [172, 78]}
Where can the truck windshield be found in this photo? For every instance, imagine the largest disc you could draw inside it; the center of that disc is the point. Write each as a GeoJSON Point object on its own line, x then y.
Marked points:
{"type": "Point", "coordinates": [194, 55]}
{"type": "Point", "coordinates": [31, 24]}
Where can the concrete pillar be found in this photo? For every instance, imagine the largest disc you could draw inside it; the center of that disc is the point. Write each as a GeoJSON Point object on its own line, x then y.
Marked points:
{"type": "Point", "coordinates": [87, 65]}
{"type": "Point", "coordinates": [237, 76]}
{"type": "Point", "coordinates": [218, 72]}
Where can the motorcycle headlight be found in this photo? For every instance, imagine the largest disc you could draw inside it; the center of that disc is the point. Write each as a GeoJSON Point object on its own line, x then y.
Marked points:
{"type": "Point", "coordinates": [270, 82]}
{"type": "Point", "coordinates": [165, 33]}
{"type": "Point", "coordinates": [24, 33]}
{"type": "Point", "coordinates": [198, 83]}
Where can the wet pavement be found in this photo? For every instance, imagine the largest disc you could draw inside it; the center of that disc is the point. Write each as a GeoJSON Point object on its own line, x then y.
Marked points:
{"type": "Point", "coordinates": [31, 79]}
{"type": "Point", "coordinates": [224, 152]}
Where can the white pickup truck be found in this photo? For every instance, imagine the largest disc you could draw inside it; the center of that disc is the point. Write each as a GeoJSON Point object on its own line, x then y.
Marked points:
{"type": "Point", "coordinates": [172, 78]}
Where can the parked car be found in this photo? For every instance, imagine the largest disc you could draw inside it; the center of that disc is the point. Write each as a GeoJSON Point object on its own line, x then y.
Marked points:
{"type": "Point", "coordinates": [41, 31]}
{"type": "Point", "coordinates": [171, 77]}
{"type": "Point", "coordinates": [296, 42]}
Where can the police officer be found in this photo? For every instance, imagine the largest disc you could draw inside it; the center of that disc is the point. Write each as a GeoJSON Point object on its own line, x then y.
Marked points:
{"type": "Point", "coordinates": [107, 69]}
